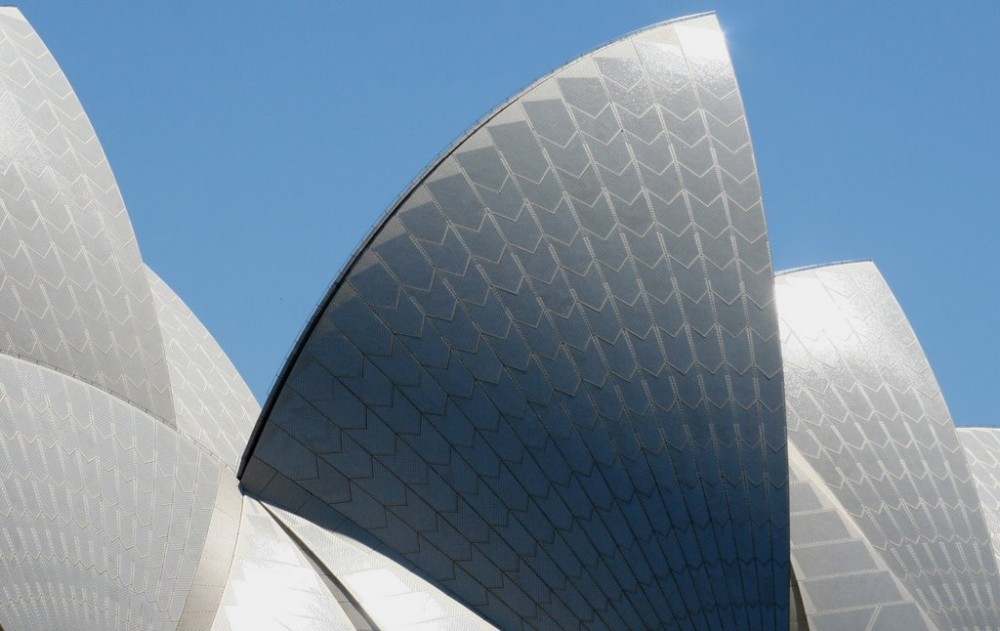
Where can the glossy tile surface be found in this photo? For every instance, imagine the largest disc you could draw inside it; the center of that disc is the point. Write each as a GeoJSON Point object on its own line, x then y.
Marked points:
{"type": "Point", "coordinates": [103, 508]}
{"type": "Point", "coordinates": [841, 577]}
{"type": "Point", "coordinates": [392, 596]}
{"type": "Point", "coordinates": [868, 419]}
{"type": "Point", "coordinates": [273, 585]}
{"type": "Point", "coordinates": [551, 381]}
{"type": "Point", "coordinates": [73, 290]}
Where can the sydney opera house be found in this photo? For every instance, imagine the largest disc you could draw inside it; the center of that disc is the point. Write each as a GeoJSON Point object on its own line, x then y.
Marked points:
{"type": "Point", "coordinates": [559, 386]}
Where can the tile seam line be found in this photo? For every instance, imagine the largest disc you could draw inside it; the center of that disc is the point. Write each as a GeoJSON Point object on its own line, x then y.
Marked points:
{"type": "Point", "coordinates": [318, 565]}
{"type": "Point", "coordinates": [77, 377]}
{"type": "Point", "coordinates": [194, 443]}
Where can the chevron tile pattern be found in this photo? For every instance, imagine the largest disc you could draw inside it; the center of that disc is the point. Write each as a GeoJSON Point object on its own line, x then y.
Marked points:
{"type": "Point", "coordinates": [111, 511]}
{"type": "Point", "coordinates": [842, 580]}
{"type": "Point", "coordinates": [982, 450]}
{"type": "Point", "coordinates": [551, 382]}
{"type": "Point", "coordinates": [547, 393]}
{"type": "Point", "coordinates": [103, 508]}
{"type": "Point", "coordinates": [868, 418]}
{"type": "Point", "coordinates": [213, 406]}
{"type": "Point", "coordinates": [73, 291]}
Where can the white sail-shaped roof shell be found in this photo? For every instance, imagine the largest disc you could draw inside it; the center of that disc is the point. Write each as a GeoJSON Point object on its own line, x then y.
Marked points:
{"type": "Point", "coordinates": [116, 452]}
{"type": "Point", "coordinates": [873, 434]}
{"type": "Point", "coordinates": [550, 381]}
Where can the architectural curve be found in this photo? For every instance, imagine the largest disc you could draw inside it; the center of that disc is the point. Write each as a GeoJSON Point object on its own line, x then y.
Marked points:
{"type": "Point", "coordinates": [212, 403]}
{"type": "Point", "coordinates": [111, 509]}
{"type": "Point", "coordinates": [842, 580]}
{"type": "Point", "coordinates": [391, 596]}
{"type": "Point", "coordinates": [867, 416]}
{"type": "Point", "coordinates": [551, 381]}
{"type": "Point", "coordinates": [272, 584]}
{"type": "Point", "coordinates": [103, 508]}
{"type": "Point", "coordinates": [545, 393]}
{"type": "Point", "coordinates": [72, 282]}
{"type": "Point", "coordinates": [982, 451]}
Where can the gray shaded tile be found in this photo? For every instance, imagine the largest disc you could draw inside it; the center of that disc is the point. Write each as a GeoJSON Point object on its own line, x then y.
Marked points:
{"type": "Point", "coordinates": [538, 328]}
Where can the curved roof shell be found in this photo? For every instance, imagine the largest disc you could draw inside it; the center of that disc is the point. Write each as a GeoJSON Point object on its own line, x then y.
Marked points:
{"type": "Point", "coordinates": [390, 596]}
{"type": "Point", "coordinates": [115, 503]}
{"type": "Point", "coordinates": [103, 508]}
{"type": "Point", "coordinates": [836, 570]}
{"type": "Point", "coordinates": [73, 288]}
{"type": "Point", "coordinates": [272, 583]}
{"type": "Point", "coordinates": [867, 418]}
{"type": "Point", "coordinates": [550, 382]}
{"type": "Point", "coordinates": [212, 403]}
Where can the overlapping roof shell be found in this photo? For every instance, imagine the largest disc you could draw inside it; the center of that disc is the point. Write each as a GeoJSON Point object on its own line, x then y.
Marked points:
{"type": "Point", "coordinates": [547, 391]}
{"type": "Point", "coordinates": [550, 382]}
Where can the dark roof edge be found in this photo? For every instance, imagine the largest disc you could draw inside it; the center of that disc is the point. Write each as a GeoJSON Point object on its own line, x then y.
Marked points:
{"type": "Point", "coordinates": [296, 350]}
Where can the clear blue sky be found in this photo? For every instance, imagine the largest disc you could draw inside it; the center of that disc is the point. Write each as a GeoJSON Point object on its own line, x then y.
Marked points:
{"type": "Point", "coordinates": [255, 143]}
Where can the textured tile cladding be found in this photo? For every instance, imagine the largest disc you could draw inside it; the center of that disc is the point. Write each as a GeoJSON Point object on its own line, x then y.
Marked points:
{"type": "Point", "coordinates": [882, 467]}
{"type": "Point", "coordinates": [982, 450]}
{"type": "Point", "coordinates": [213, 405]}
{"type": "Point", "coordinates": [73, 290]}
{"type": "Point", "coordinates": [392, 596]}
{"type": "Point", "coordinates": [112, 515]}
{"type": "Point", "coordinates": [551, 380]}
{"type": "Point", "coordinates": [104, 510]}
{"type": "Point", "coordinates": [841, 574]}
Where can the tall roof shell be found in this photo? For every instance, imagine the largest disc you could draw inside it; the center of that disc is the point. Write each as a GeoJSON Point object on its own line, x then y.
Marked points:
{"type": "Point", "coordinates": [868, 420]}
{"type": "Point", "coordinates": [73, 290]}
{"type": "Point", "coordinates": [550, 381]}
{"type": "Point", "coordinates": [116, 511]}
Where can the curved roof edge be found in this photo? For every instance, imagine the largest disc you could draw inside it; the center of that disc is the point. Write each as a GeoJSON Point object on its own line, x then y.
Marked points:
{"type": "Point", "coordinates": [602, 388]}
{"type": "Point", "coordinates": [863, 454]}
{"type": "Point", "coordinates": [806, 268]}
{"type": "Point", "coordinates": [819, 521]}
{"type": "Point", "coordinates": [272, 583]}
{"type": "Point", "coordinates": [99, 325]}
{"type": "Point", "coordinates": [322, 305]}
{"type": "Point", "coordinates": [64, 460]}
{"type": "Point", "coordinates": [349, 563]}
{"type": "Point", "coordinates": [213, 406]}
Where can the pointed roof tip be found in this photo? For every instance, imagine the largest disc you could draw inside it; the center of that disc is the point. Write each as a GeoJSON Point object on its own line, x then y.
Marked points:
{"type": "Point", "coordinates": [694, 17]}
{"type": "Point", "coordinates": [12, 11]}
{"type": "Point", "coordinates": [409, 190]}
{"type": "Point", "coordinates": [816, 266]}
